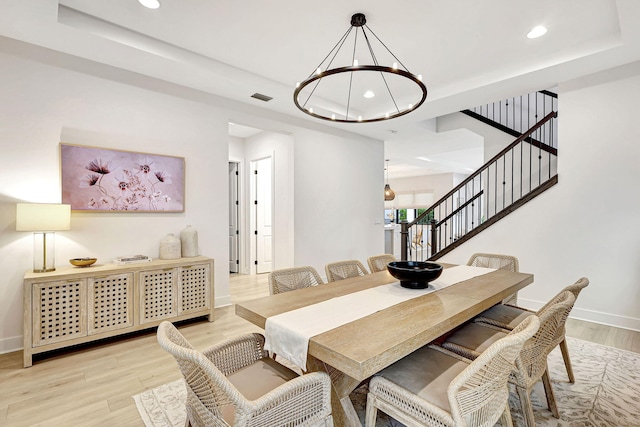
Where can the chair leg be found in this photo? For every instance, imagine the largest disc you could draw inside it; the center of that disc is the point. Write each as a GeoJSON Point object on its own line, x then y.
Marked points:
{"type": "Point", "coordinates": [505, 419]}
{"type": "Point", "coordinates": [527, 408]}
{"type": "Point", "coordinates": [567, 361]}
{"type": "Point", "coordinates": [548, 391]}
{"type": "Point", "coordinates": [371, 412]}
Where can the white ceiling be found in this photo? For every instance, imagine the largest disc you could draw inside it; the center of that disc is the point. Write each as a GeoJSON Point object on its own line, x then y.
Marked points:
{"type": "Point", "coordinates": [468, 51]}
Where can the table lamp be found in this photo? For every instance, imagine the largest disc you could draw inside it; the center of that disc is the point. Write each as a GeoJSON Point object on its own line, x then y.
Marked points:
{"type": "Point", "coordinates": [43, 219]}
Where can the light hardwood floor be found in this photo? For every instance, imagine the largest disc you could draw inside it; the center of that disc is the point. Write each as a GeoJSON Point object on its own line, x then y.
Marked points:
{"type": "Point", "coordinates": [93, 385]}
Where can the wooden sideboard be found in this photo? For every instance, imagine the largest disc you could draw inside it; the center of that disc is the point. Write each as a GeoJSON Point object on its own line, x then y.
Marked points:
{"type": "Point", "coordinates": [75, 305]}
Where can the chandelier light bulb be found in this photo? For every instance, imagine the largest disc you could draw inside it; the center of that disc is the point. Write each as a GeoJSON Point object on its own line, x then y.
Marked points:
{"type": "Point", "coordinates": [369, 94]}
{"type": "Point", "coordinates": [311, 109]}
{"type": "Point", "coordinates": [318, 71]}
{"type": "Point", "coordinates": [395, 66]}
{"type": "Point", "coordinates": [420, 77]}
{"type": "Point", "coordinates": [297, 84]}
{"type": "Point", "coordinates": [355, 62]}
{"type": "Point", "coordinates": [333, 117]}
{"type": "Point", "coordinates": [359, 118]}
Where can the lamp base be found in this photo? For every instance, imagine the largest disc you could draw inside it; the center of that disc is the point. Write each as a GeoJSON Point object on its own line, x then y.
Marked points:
{"type": "Point", "coordinates": [44, 252]}
{"type": "Point", "coordinates": [44, 270]}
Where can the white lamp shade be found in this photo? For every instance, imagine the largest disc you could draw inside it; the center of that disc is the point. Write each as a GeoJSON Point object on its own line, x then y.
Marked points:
{"type": "Point", "coordinates": [42, 217]}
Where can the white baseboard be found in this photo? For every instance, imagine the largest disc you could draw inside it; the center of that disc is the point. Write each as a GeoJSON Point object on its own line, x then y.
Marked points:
{"type": "Point", "coordinates": [624, 322]}
{"type": "Point", "coordinates": [222, 301]}
{"type": "Point", "coordinates": [9, 345]}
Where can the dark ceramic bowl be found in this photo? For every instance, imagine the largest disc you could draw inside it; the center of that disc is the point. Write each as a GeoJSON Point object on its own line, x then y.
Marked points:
{"type": "Point", "coordinates": [414, 274]}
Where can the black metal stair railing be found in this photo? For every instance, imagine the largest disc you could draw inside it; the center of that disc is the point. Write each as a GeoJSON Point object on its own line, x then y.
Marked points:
{"type": "Point", "coordinates": [511, 178]}
{"type": "Point", "coordinates": [518, 114]}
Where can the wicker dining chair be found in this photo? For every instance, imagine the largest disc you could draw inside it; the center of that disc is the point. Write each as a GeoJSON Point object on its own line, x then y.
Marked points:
{"type": "Point", "coordinates": [288, 279]}
{"type": "Point", "coordinates": [471, 340]}
{"type": "Point", "coordinates": [379, 262]}
{"type": "Point", "coordinates": [499, 262]}
{"type": "Point", "coordinates": [434, 387]}
{"type": "Point", "coordinates": [507, 317]}
{"type": "Point", "coordinates": [344, 270]}
{"type": "Point", "coordinates": [235, 383]}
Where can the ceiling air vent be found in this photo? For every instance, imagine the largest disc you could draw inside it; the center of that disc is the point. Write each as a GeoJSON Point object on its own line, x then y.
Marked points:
{"type": "Point", "coordinates": [261, 97]}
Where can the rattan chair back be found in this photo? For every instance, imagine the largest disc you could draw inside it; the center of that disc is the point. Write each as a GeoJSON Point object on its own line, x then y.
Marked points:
{"type": "Point", "coordinates": [499, 262]}
{"type": "Point", "coordinates": [208, 390]}
{"type": "Point", "coordinates": [532, 362]}
{"type": "Point", "coordinates": [479, 394]}
{"type": "Point", "coordinates": [379, 262]}
{"type": "Point", "coordinates": [303, 400]}
{"type": "Point", "coordinates": [288, 279]}
{"type": "Point", "coordinates": [344, 270]}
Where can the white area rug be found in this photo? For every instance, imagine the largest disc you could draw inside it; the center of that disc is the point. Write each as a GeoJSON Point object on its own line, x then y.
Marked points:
{"type": "Point", "coordinates": [606, 393]}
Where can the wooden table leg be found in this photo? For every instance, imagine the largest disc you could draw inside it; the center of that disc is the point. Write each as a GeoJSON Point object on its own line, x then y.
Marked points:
{"type": "Point", "coordinates": [342, 409]}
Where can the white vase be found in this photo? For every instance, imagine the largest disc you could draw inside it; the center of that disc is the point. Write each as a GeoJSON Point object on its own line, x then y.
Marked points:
{"type": "Point", "coordinates": [189, 241]}
{"type": "Point", "coordinates": [170, 247]}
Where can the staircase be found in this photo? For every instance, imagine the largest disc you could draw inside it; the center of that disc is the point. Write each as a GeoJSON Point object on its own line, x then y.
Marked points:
{"type": "Point", "coordinates": [521, 171]}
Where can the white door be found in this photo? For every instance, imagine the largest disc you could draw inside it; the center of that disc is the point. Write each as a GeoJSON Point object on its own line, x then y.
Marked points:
{"type": "Point", "coordinates": [262, 214]}
{"type": "Point", "coordinates": [234, 259]}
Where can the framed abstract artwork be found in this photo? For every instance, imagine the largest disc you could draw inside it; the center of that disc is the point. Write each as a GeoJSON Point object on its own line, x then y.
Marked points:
{"type": "Point", "coordinates": [105, 180]}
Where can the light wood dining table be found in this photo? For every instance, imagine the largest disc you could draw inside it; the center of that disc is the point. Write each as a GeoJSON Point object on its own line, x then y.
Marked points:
{"type": "Point", "coordinates": [354, 352]}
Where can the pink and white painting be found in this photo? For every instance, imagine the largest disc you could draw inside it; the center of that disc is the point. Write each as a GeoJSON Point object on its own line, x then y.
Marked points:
{"type": "Point", "coordinates": [100, 179]}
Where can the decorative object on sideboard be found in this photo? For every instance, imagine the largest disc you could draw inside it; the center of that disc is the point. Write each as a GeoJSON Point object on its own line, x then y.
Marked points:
{"type": "Point", "coordinates": [131, 259]}
{"type": "Point", "coordinates": [82, 262]}
{"type": "Point", "coordinates": [170, 247]}
{"type": "Point", "coordinates": [44, 219]}
{"type": "Point", "coordinates": [189, 242]}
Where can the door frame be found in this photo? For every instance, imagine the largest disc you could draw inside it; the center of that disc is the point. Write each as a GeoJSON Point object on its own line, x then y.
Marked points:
{"type": "Point", "coordinates": [243, 256]}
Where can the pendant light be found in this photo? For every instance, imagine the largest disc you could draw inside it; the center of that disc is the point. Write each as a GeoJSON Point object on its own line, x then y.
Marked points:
{"type": "Point", "coordinates": [389, 194]}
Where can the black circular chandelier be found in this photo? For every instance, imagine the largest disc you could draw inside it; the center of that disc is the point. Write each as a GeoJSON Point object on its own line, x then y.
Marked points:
{"type": "Point", "coordinates": [357, 93]}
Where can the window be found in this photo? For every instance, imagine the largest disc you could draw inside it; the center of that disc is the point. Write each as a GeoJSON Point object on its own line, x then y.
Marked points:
{"type": "Point", "coordinates": [395, 216]}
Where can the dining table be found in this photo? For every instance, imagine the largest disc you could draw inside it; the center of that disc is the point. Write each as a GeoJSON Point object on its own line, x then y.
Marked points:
{"type": "Point", "coordinates": [353, 352]}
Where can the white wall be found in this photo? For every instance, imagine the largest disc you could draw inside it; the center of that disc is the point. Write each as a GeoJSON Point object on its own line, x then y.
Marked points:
{"type": "Point", "coordinates": [586, 225]}
{"type": "Point", "coordinates": [494, 140]}
{"type": "Point", "coordinates": [45, 100]}
{"type": "Point", "coordinates": [440, 184]}
{"type": "Point", "coordinates": [339, 199]}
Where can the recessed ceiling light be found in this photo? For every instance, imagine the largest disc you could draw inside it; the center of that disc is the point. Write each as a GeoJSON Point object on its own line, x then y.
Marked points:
{"type": "Point", "coordinates": [369, 94]}
{"type": "Point", "coordinates": [536, 32]}
{"type": "Point", "coordinates": [151, 4]}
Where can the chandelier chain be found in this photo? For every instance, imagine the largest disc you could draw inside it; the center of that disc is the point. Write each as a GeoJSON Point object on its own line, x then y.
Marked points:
{"type": "Point", "coordinates": [335, 53]}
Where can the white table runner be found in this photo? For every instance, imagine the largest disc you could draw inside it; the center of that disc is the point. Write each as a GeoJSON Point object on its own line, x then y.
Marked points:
{"type": "Point", "coordinates": [288, 334]}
